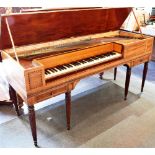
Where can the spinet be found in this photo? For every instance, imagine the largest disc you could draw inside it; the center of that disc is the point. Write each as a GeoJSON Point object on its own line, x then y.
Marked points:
{"type": "Point", "coordinates": [46, 53]}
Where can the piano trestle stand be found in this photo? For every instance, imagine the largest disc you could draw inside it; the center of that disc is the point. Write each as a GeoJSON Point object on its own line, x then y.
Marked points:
{"type": "Point", "coordinates": [49, 59]}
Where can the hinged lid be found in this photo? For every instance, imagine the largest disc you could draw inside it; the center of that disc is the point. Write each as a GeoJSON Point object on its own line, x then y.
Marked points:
{"type": "Point", "coordinates": [35, 27]}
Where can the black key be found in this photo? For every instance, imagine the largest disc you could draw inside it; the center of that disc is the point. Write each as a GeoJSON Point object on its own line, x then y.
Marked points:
{"type": "Point", "coordinates": [95, 58]}
{"type": "Point", "coordinates": [110, 53]}
{"type": "Point", "coordinates": [72, 64]}
{"type": "Point", "coordinates": [54, 69]}
{"type": "Point", "coordinates": [68, 65]}
{"type": "Point", "coordinates": [91, 59]}
{"type": "Point", "coordinates": [63, 68]}
{"type": "Point", "coordinates": [107, 55]}
{"type": "Point", "coordinates": [51, 69]}
{"type": "Point", "coordinates": [88, 60]}
{"type": "Point", "coordinates": [46, 72]}
{"type": "Point", "coordinates": [75, 63]}
{"type": "Point", "coordinates": [59, 68]}
{"type": "Point", "coordinates": [103, 54]}
{"type": "Point", "coordinates": [83, 62]}
{"type": "Point", "coordinates": [100, 56]}
{"type": "Point", "coordinates": [113, 53]}
{"type": "Point", "coordinates": [79, 62]}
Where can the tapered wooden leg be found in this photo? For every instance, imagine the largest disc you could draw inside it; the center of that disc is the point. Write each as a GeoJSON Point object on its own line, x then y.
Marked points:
{"type": "Point", "coordinates": [20, 101]}
{"type": "Point", "coordinates": [101, 75]}
{"type": "Point", "coordinates": [127, 82]}
{"type": "Point", "coordinates": [68, 108]}
{"type": "Point", "coordinates": [32, 121]}
{"type": "Point", "coordinates": [115, 73]}
{"type": "Point", "coordinates": [13, 97]}
{"type": "Point", "coordinates": [144, 75]}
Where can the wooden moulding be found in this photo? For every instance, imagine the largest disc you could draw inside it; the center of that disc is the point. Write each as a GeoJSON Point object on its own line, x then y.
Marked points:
{"type": "Point", "coordinates": [141, 60]}
{"type": "Point", "coordinates": [49, 93]}
{"type": "Point", "coordinates": [124, 33]}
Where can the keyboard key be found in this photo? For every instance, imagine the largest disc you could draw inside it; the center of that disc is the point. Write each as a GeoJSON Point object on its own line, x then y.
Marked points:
{"type": "Point", "coordinates": [46, 72]}
{"type": "Point", "coordinates": [59, 68]}
{"type": "Point", "coordinates": [52, 70]}
{"type": "Point", "coordinates": [55, 69]}
{"type": "Point", "coordinates": [66, 68]}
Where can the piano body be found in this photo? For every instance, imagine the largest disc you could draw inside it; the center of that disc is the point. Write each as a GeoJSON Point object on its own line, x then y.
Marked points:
{"type": "Point", "coordinates": [46, 53]}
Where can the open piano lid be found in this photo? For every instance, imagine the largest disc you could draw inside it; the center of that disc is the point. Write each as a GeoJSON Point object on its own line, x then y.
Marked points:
{"type": "Point", "coordinates": [36, 27]}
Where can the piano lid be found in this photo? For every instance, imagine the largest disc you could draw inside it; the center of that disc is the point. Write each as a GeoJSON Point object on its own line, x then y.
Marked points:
{"type": "Point", "coordinates": [36, 27]}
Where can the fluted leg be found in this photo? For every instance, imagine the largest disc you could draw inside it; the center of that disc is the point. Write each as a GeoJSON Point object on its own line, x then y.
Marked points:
{"type": "Point", "coordinates": [144, 75]}
{"type": "Point", "coordinates": [127, 82]}
{"type": "Point", "coordinates": [68, 108]}
{"type": "Point", "coordinates": [32, 121]}
{"type": "Point", "coordinates": [13, 97]}
{"type": "Point", "coordinates": [115, 73]}
{"type": "Point", "coordinates": [101, 75]}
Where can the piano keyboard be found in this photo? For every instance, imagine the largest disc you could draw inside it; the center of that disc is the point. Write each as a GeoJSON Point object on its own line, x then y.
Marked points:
{"type": "Point", "coordinates": [60, 70]}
